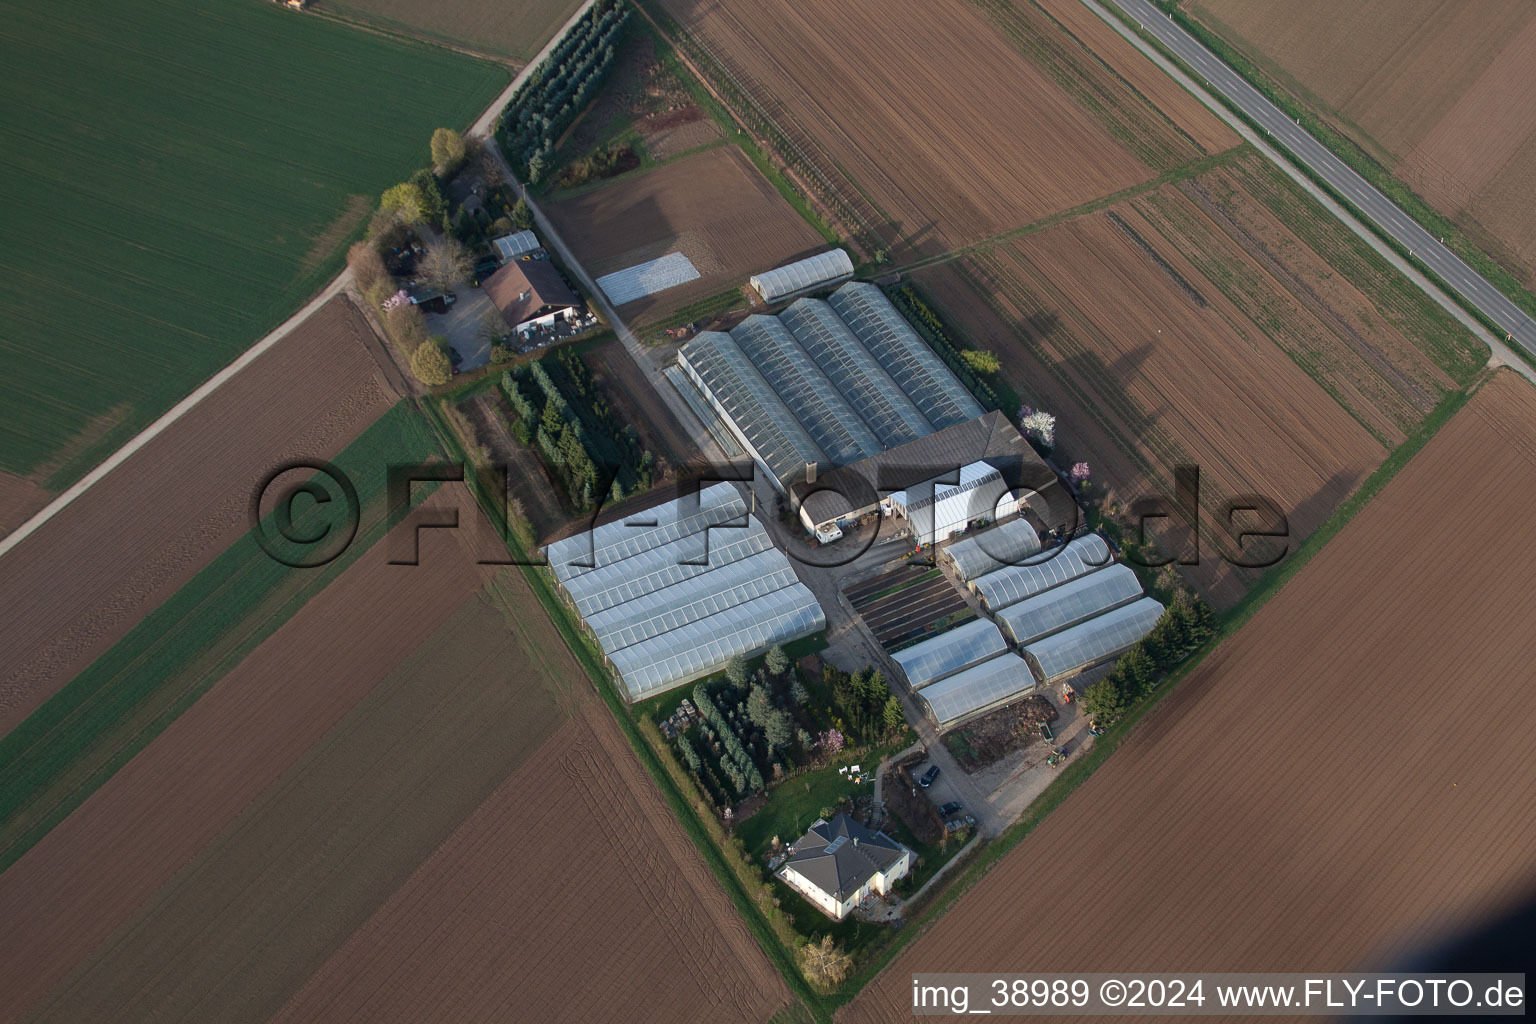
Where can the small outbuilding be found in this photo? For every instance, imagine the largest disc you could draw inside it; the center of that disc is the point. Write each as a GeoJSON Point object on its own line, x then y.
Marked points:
{"type": "Point", "coordinates": [516, 245]}
{"type": "Point", "coordinates": [531, 293]}
{"type": "Point", "coordinates": [838, 863]}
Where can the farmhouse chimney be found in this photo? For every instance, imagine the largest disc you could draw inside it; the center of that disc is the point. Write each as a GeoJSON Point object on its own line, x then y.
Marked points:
{"type": "Point", "coordinates": [810, 472]}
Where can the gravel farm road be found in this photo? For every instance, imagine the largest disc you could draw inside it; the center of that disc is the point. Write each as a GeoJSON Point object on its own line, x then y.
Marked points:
{"type": "Point", "coordinates": [1380, 210]}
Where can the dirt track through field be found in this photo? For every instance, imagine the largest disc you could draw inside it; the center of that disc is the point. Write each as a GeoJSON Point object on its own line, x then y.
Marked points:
{"type": "Point", "coordinates": [77, 585]}
{"type": "Point", "coordinates": [1345, 781]}
{"type": "Point", "coordinates": [571, 894]}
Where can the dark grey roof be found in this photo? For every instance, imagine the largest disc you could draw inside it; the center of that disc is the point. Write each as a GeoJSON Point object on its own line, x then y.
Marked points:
{"type": "Point", "coordinates": [989, 438]}
{"type": "Point", "coordinates": [841, 855]}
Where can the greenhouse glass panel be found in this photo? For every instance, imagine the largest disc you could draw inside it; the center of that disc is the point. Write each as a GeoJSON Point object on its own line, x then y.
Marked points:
{"type": "Point", "coordinates": [776, 437]}
{"type": "Point", "coordinates": [981, 686]}
{"type": "Point", "coordinates": [705, 646]}
{"type": "Point", "coordinates": [807, 391]}
{"type": "Point", "coordinates": [714, 506]}
{"type": "Point", "coordinates": [823, 269]}
{"type": "Point", "coordinates": [996, 548]}
{"type": "Point", "coordinates": [1049, 568]}
{"type": "Point", "coordinates": [663, 567]}
{"type": "Point", "coordinates": [909, 359]}
{"type": "Point", "coordinates": [692, 599]}
{"type": "Point", "coordinates": [1100, 638]}
{"type": "Point", "coordinates": [947, 653]}
{"type": "Point", "coordinates": [858, 375]}
{"type": "Point", "coordinates": [1068, 605]}
{"type": "Point", "coordinates": [631, 283]}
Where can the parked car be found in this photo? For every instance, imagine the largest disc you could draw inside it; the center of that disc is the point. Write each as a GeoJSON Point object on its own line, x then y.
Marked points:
{"type": "Point", "coordinates": [454, 357]}
{"type": "Point", "coordinates": [928, 776]}
{"type": "Point", "coordinates": [953, 807]}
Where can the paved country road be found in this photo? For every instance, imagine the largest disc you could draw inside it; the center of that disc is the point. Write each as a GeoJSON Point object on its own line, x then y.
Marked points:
{"type": "Point", "coordinates": [1384, 213]}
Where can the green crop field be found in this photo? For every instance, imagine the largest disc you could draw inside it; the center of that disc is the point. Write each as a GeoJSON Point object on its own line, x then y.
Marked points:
{"type": "Point", "coordinates": [74, 742]}
{"type": "Point", "coordinates": [516, 30]}
{"type": "Point", "coordinates": [178, 177]}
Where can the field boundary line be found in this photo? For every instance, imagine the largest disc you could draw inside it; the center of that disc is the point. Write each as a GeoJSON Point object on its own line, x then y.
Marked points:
{"type": "Point", "coordinates": [174, 413]}
{"type": "Point", "coordinates": [482, 126]}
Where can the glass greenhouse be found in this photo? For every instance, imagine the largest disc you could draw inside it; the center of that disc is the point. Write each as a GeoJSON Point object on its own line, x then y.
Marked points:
{"type": "Point", "coordinates": [906, 357]}
{"type": "Point", "coordinates": [704, 646]}
{"type": "Point", "coordinates": [855, 373]}
{"type": "Point", "coordinates": [998, 547]}
{"type": "Point", "coordinates": [648, 278]}
{"type": "Point", "coordinates": [822, 270]}
{"type": "Point", "coordinates": [1050, 568]}
{"type": "Point", "coordinates": [1099, 639]}
{"type": "Point", "coordinates": [663, 567]}
{"type": "Point", "coordinates": [675, 598]}
{"type": "Point", "coordinates": [938, 511]}
{"type": "Point", "coordinates": [770, 430]}
{"type": "Point", "coordinates": [612, 542]}
{"type": "Point", "coordinates": [947, 653]}
{"type": "Point", "coordinates": [1069, 604]}
{"type": "Point", "coordinates": [977, 688]}
{"type": "Point", "coordinates": [816, 403]}
{"type": "Point", "coordinates": [693, 599]}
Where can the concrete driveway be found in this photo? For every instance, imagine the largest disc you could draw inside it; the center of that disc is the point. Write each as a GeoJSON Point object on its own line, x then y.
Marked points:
{"type": "Point", "coordinates": [461, 326]}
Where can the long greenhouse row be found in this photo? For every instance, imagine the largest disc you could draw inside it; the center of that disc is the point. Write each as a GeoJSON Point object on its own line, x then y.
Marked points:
{"type": "Point", "coordinates": [1056, 613]}
{"type": "Point", "coordinates": [672, 593]}
{"type": "Point", "coordinates": [826, 383]}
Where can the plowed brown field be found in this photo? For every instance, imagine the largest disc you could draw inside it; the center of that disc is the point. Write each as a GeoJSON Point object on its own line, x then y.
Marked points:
{"type": "Point", "coordinates": [881, 99]}
{"type": "Point", "coordinates": [1443, 92]}
{"type": "Point", "coordinates": [231, 859]}
{"type": "Point", "coordinates": [1147, 371]}
{"type": "Point", "coordinates": [78, 584]}
{"type": "Point", "coordinates": [714, 207]}
{"type": "Point", "coordinates": [19, 497]}
{"type": "Point", "coordinates": [1348, 778]}
{"type": "Point", "coordinates": [571, 894]}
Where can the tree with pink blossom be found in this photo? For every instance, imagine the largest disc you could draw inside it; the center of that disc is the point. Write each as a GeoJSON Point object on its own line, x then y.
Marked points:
{"type": "Point", "coordinates": [1080, 472]}
{"type": "Point", "coordinates": [831, 741]}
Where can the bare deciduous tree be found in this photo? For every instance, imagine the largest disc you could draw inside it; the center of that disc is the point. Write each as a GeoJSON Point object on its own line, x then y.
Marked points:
{"type": "Point", "coordinates": [445, 263]}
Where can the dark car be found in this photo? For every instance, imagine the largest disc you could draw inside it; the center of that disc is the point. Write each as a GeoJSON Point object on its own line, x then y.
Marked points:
{"type": "Point", "coordinates": [454, 357]}
{"type": "Point", "coordinates": [928, 777]}
{"type": "Point", "coordinates": [953, 807]}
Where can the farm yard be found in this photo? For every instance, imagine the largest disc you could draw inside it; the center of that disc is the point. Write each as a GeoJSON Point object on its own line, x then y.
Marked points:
{"type": "Point", "coordinates": [90, 574]}
{"type": "Point", "coordinates": [155, 229]}
{"type": "Point", "coordinates": [1438, 94]}
{"type": "Point", "coordinates": [1355, 849]}
{"type": "Point", "coordinates": [513, 31]}
{"type": "Point", "coordinates": [1264, 347]}
{"type": "Point", "coordinates": [921, 177]}
{"type": "Point", "coordinates": [714, 207]}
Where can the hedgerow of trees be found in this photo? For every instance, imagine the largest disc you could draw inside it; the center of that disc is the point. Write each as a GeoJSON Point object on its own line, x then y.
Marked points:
{"type": "Point", "coordinates": [1186, 625]}
{"type": "Point", "coordinates": [559, 89]}
{"type": "Point", "coordinates": [568, 421]}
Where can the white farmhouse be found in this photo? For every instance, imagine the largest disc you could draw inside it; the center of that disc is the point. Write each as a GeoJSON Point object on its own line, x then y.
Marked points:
{"type": "Point", "coordinates": [837, 864]}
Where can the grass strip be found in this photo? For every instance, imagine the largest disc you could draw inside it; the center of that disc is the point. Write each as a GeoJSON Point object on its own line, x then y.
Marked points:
{"type": "Point", "coordinates": [80, 737]}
